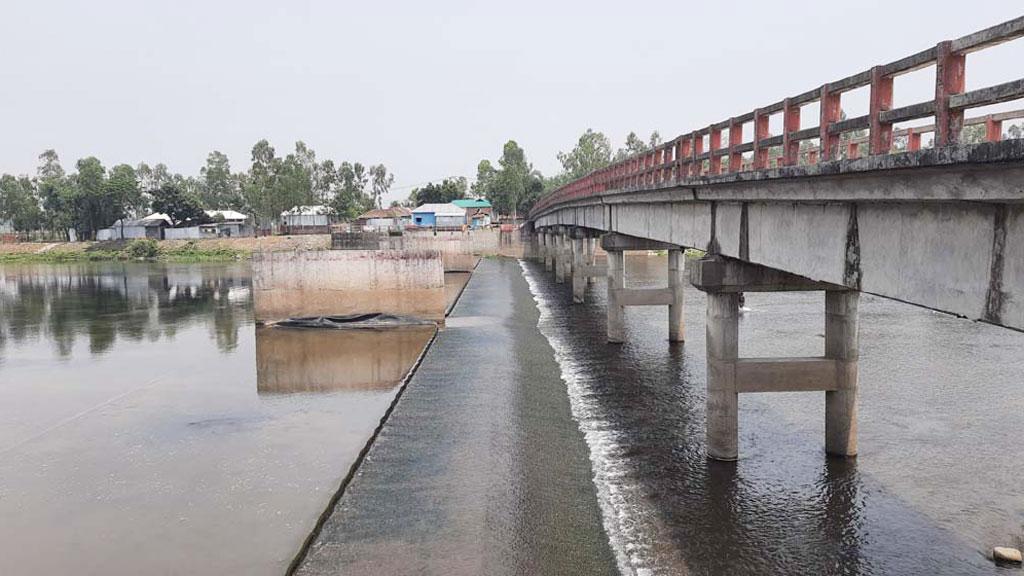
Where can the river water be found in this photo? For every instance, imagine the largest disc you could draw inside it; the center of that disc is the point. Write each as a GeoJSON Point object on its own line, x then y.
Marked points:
{"type": "Point", "coordinates": [147, 426]}
{"type": "Point", "coordinates": [938, 482]}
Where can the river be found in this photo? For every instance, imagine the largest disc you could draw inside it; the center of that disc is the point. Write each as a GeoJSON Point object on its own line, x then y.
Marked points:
{"type": "Point", "coordinates": [146, 426]}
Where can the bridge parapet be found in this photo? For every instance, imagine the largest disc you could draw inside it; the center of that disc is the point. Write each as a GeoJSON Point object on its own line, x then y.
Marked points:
{"type": "Point", "coordinates": [692, 157]}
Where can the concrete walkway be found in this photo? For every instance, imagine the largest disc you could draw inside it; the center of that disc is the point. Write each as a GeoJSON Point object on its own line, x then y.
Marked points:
{"type": "Point", "coordinates": [481, 468]}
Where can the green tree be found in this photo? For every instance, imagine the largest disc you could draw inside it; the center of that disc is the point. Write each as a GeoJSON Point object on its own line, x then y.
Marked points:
{"type": "Point", "coordinates": [178, 204]}
{"type": "Point", "coordinates": [514, 186]}
{"type": "Point", "coordinates": [449, 189]}
{"type": "Point", "coordinates": [95, 204]}
{"type": "Point", "coordinates": [592, 151]}
{"type": "Point", "coordinates": [18, 203]}
{"type": "Point", "coordinates": [380, 182]}
{"type": "Point", "coordinates": [123, 189]}
{"type": "Point", "coordinates": [55, 193]}
{"type": "Point", "coordinates": [217, 185]}
{"type": "Point", "coordinates": [350, 198]}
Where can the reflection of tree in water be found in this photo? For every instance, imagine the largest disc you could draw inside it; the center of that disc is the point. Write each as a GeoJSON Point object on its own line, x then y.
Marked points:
{"type": "Point", "coordinates": [132, 302]}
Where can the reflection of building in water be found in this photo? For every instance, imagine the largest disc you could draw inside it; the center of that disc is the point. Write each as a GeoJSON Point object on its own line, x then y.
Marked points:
{"type": "Point", "coordinates": [310, 360]}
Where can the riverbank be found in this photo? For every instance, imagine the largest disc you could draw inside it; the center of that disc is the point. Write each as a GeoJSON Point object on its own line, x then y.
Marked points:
{"type": "Point", "coordinates": [205, 250]}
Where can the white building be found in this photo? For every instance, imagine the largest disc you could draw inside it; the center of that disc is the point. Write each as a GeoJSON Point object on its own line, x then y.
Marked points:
{"type": "Point", "coordinates": [439, 216]}
{"type": "Point", "coordinates": [305, 219]}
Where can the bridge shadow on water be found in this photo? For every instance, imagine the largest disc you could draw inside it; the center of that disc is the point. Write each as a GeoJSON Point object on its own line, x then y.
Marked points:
{"type": "Point", "coordinates": [783, 508]}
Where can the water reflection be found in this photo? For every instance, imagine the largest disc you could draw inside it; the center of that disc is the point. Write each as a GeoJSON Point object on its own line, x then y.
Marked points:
{"type": "Point", "coordinates": [309, 360]}
{"type": "Point", "coordinates": [104, 302]}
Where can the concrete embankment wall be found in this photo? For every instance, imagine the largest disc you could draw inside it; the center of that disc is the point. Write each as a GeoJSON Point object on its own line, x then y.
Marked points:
{"type": "Point", "coordinates": [462, 250]}
{"type": "Point", "coordinates": [325, 282]}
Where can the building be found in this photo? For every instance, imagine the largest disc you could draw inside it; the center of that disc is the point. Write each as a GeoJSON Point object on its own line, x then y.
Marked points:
{"type": "Point", "coordinates": [151, 226]}
{"type": "Point", "coordinates": [306, 220]}
{"type": "Point", "coordinates": [229, 223]}
{"type": "Point", "coordinates": [478, 211]}
{"type": "Point", "coordinates": [439, 216]}
{"type": "Point", "coordinates": [395, 217]}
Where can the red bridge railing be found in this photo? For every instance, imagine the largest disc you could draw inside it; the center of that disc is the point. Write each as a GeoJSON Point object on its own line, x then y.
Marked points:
{"type": "Point", "coordinates": [685, 158]}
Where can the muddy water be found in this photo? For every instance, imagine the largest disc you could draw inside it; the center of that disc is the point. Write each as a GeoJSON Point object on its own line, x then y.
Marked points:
{"type": "Point", "coordinates": [938, 482]}
{"type": "Point", "coordinates": [146, 428]}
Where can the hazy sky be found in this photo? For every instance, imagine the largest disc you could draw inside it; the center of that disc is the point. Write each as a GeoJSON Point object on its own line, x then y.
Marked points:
{"type": "Point", "coordinates": [430, 88]}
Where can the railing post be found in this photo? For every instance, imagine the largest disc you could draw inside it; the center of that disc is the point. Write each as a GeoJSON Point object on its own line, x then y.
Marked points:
{"type": "Point", "coordinates": [949, 79]}
{"type": "Point", "coordinates": [993, 129]}
{"type": "Point", "coordinates": [760, 132]}
{"type": "Point", "coordinates": [714, 143]}
{"type": "Point", "coordinates": [686, 157]}
{"type": "Point", "coordinates": [735, 139]}
{"type": "Point", "coordinates": [913, 140]}
{"type": "Point", "coordinates": [880, 100]}
{"type": "Point", "coordinates": [831, 111]}
{"type": "Point", "coordinates": [790, 124]}
{"type": "Point", "coordinates": [698, 146]}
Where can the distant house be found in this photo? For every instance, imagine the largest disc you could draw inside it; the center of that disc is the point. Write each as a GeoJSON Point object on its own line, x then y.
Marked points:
{"type": "Point", "coordinates": [439, 216]}
{"type": "Point", "coordinates": [478, 211]}
{"type": "Point", "coordinates": [386, 218]}
{"type": "Point", "coordinates": [231, 223]}
{"type": "Point", "coordinates": [151, 226]}
{"type": "Point", "coordinates": [223, 223]}
{"type": "Point", "coordinates": [305, 220]}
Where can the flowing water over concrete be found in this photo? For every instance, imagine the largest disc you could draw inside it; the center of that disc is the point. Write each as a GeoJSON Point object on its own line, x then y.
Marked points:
{"type": "Point", "coordinates": [136, 438]}
{"type": "Point", "coordinates": [480, 468]}
{"type": "Point", "coordinates": [938, 482]}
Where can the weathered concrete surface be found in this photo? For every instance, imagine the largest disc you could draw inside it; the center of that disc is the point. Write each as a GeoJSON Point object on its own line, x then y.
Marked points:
{"type": "Point", "coordinates": [324, 282]}
{"type": "Point", "coordinates": [481, 468]}
{"type": "Point", "coordinates": [939, 228]}
{"type": "Point", "coordinates": [296, 360]}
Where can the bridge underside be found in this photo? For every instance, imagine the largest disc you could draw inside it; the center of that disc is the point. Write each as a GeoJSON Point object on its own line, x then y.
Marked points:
{"type": "Point", "coordinates": [945, 235]}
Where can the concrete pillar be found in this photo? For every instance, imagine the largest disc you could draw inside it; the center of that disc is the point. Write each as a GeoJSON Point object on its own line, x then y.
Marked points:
{"type": "Point", "coordinates": [841, 344]}
{"type": "Point", "coordinates": [579, 280]}
{"type": "Point", "coordinates": [549, 251]}
{"type": "Point", "coordinates": [566, 257]}
{"type": "Point", "coordinates": [722, 427]}
{"type": "Point", "coordinates": [591, 257]}
{"type": "Point", "coordinates": [559, 258]}
{"type": "Point", "coordinates": [616, 281]}
{"type": "Point", "coordinates": [676, 281]}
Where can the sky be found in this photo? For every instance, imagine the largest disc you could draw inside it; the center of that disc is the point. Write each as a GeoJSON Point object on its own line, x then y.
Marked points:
{"type": "Point", "coordinates": [431, 88]}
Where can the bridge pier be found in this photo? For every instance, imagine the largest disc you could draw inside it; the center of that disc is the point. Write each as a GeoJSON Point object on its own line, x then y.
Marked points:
{"type": "Point", "coordinates": [546, 250]}
{"type": "Point", "coordinates": [728, 375]}
{"type": "Point", "coordinates": [579, 278]}
{"type": "Point", "coordinates": [560, 257]}
{"type": "Point", "coordinates": [619, 296]}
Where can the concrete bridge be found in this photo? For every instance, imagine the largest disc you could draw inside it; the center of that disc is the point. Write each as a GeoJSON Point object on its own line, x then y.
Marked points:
{"type": "Point", "coordinates": [818, 208]}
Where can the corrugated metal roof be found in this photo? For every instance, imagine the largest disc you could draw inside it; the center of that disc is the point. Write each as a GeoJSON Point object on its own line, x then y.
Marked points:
{"type": "Point", "coordinates": [391, 212]}
{"type": "Point", "coordinates": [226, 214]}
{"type": "Point", "coordinates": [315, 210]}
{"type": "Point", "coordinates": [472, 203]}
{"type": "Point", "coordinates": [448, 209]}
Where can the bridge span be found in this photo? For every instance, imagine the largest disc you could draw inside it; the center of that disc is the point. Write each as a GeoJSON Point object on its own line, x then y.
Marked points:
{"type": "Point", "coordinates": [818, 208]}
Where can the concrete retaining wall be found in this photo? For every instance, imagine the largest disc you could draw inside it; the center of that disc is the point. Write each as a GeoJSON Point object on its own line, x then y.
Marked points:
{"type": "Point", "coordinates": [315, 283]}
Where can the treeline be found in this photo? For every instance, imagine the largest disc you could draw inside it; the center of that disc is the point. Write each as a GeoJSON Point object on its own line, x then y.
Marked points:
{"type": "Point", "coordinates": [93, 197]}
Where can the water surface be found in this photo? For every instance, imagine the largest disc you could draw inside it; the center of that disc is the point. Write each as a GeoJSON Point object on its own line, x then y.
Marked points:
{"type": "Point", "coordinates": [938, 481]}
{"type": "Point", "coordinates": [138, 437]}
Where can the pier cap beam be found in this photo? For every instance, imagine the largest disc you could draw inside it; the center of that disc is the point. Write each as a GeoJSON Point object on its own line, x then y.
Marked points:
{"type": "Point", "coordinates": [615, 242]}
{"type": "Point", "coordinates": [724, 275]}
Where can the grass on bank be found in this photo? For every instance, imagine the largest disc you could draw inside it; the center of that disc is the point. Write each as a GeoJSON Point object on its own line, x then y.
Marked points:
{"type": "Point", "coordinates": [140, 249]}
